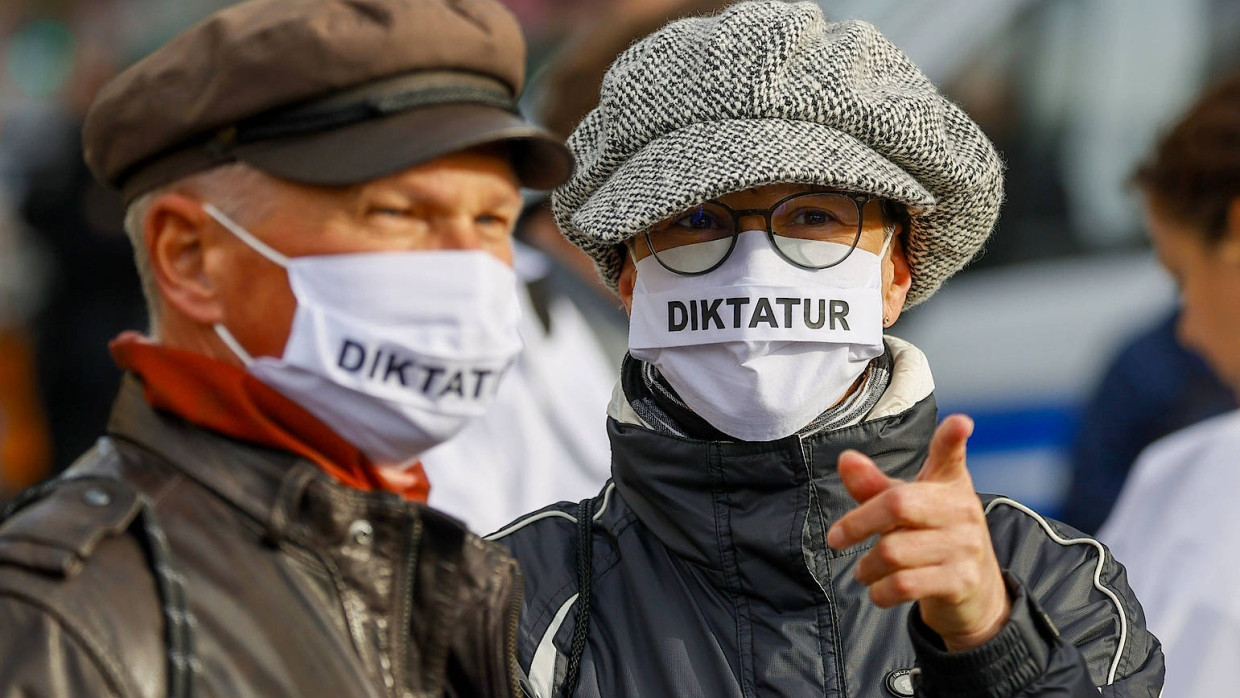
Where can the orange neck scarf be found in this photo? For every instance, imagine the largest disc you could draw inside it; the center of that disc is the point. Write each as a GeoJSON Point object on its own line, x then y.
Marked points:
{"type": "Point", "coordinates": [228, 400]}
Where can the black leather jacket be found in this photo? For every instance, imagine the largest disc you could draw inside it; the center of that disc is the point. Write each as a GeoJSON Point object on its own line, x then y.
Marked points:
{"type": "Point", "coordinates": [173, 561]}
{"type": "Point", "coordinates": [709, 576]}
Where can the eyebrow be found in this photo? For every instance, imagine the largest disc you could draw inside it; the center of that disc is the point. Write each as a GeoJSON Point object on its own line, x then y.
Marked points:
{"type": "Point", "coordinates": [483, 195]}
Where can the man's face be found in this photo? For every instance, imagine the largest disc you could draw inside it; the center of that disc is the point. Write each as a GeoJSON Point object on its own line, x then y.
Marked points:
{"type": "Point", "coordinates": [874, 231]}
{"type": "Point", "coordinates": [464, 201]}
{"type": "Point", "coordinates": [1208, 277]}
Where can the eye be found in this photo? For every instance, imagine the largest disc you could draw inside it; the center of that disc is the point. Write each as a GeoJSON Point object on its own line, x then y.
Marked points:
{"type": "Point", "coordinates": [813, 216]}
{"type": "Point", "coordinates": [699, 219]}
{"type": "Point", "coordinates": [387, 211]}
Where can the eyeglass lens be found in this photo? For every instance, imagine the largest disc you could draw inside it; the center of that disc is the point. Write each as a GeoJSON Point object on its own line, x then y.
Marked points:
{"type": "Point", "coordinates": [814, 230]}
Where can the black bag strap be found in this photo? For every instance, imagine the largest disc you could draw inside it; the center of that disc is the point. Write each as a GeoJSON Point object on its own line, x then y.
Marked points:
{"type": "Point", "coordinates": [170, 584]}
{"type": "Point", "coordinates": [585, 576]}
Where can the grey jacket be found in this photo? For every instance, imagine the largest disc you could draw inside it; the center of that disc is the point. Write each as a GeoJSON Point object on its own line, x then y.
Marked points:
{"type": "Point", "coordinates": [174, 561]}
{"type": "Point", "coordinates": [709, 576]}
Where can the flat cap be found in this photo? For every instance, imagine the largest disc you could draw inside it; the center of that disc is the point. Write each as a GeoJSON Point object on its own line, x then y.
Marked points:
{"type": "Point", "coordinates": [771, 92]}
{"type": "Point", "coordinates": [322, 92]}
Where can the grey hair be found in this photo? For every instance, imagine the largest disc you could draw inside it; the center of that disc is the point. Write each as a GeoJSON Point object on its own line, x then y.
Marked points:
{"type": "Point", "coordinates": [240, 191]}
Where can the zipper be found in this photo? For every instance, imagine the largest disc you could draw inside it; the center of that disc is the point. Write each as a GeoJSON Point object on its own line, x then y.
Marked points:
{"type": "Point", "coordinates": [815, 504]}
{"type": "Point", "coordinates": [401, 630]}
{"type": "Point", "coordinates": [516, 597]}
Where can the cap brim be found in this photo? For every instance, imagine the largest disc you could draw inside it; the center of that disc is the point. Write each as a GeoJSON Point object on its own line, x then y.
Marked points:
{"type": "Point", "coordinates": [709, 159]}
{"type": "Point", "coordinates": [384, 146]}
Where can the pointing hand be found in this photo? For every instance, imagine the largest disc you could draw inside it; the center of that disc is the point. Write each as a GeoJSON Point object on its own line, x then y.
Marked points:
{"type": "Point", "coordinates": [933, 547]}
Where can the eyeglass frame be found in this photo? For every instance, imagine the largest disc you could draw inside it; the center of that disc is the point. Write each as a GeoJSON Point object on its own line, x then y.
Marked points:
{"type": "Point", "coordinates": [861, 200]}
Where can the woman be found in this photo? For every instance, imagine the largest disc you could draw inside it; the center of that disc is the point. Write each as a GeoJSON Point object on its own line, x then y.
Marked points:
{"type": "Point", "coordinates": [767, 191]}
{"type": "Point", "coordinates": [1174, 523]}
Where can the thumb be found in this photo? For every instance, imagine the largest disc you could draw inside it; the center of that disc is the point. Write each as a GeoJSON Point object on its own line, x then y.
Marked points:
{"type": "Point", "coordinates": [946, 461]}
{"type": "Point", "coordinates": [861, 476]}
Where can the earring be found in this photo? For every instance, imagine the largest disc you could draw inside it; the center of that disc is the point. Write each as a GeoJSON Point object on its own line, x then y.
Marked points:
{"type": "Point", "coordinates": [886, 321]}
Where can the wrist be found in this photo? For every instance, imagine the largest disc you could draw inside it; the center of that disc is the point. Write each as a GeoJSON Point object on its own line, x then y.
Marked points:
{"type": "Point", "coordinates": [987, 629]}
{"type": "Point", "coordinates": [1002, 667]}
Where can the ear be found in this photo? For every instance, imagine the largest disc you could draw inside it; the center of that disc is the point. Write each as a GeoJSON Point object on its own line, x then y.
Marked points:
{"type": "Point", "coordinates": [1229, 245]}
{"type": "Point", "coordinates": [176, 241]}
{"type": "Point", "coordinates": [628, 277]}
{"type": "Point", "coordinates": [897, 279]}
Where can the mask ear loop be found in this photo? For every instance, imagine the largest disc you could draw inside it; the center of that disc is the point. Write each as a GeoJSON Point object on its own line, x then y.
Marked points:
{"type": "Point", "coordinates": [231, 342]}
{"type": "Point", "coordinates": [247, 237]}
{"type": "Point", "coordinates": [891, 233]}
{"type": "Point", "coordinates": [258, 246]}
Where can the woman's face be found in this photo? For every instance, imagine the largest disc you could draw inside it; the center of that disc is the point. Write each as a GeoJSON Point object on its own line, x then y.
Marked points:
{"type": "Point", "coordinates": [896, 276]}
{"type": "Point", "coordinates": [1208, 276]}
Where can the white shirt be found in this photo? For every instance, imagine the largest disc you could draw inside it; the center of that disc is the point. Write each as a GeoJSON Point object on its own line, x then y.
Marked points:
{"type": "Point", "coordinates": [1177, 530]}
{"type": "Point", "coordinates": [544, 439]}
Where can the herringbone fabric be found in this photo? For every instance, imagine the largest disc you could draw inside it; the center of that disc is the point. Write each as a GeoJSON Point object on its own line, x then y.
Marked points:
{"type": "Point", "coordinates": [770, 92]}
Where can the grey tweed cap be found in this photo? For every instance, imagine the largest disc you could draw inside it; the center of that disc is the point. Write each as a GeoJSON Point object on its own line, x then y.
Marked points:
{"type": "Point", "coordinates": [769, 92]}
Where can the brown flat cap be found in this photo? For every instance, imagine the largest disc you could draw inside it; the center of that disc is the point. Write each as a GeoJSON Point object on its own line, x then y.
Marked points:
{"type": "Point", "coordinates": [322, 92]}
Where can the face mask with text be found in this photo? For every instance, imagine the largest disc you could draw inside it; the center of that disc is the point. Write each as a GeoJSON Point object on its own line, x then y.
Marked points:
{"type": "Point", "coordinates": [759, 347]}
{"type": "Point", "coordinates": [396, 351]}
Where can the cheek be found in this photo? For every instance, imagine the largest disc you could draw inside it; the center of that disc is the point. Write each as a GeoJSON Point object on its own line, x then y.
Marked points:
{"type": "Point", "coordinates": [501, 250]}
{"type": "Point", "coordinates": [260, 307]}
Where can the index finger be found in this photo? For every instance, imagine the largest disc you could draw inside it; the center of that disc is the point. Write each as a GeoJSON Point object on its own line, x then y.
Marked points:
{"type": "Point", "coordinates": [907, 505]}
{"type": "Point", "coordinates": [946, 460]}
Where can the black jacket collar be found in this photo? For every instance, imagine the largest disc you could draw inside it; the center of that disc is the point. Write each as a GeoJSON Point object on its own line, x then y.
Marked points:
{"type": "Point", "coordinates": [710, 499]}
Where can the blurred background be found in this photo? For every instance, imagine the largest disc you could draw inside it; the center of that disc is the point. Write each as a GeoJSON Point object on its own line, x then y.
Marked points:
{"type": "Point", "coordinates": [1057, 340]}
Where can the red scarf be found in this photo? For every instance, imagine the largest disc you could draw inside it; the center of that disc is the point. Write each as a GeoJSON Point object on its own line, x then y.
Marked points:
{"type": "Point", "coordinates": [228, 400]}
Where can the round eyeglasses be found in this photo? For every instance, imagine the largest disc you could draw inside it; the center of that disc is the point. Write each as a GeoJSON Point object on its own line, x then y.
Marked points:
{"type": "Point", "coordinates": [814, 230]}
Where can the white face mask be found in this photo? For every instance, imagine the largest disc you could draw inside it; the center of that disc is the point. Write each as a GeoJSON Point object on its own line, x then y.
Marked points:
{"type": "Point", "coordinates": [759, 347]}
{"type": "Point", "coordinates": [395, 351]}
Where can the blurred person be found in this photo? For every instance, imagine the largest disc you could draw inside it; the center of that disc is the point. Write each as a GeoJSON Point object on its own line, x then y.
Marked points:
{"type": "Point", "coordinates": [24, 457]}
{"type": "Point", "coordinates": [767, 191]}
{"type": "Point", "coordinates": [1152, 387]}
{"type": "Point", "coordinates": [542, 441]}
{"type": "Point", "coordinates": [566, 90]}
{"type": "Point", "coordinates": [322, 225]}
{"type": "Point", "coordinates": [92, 293]}
{"type": "Point", "coordinates": [1174, 523]}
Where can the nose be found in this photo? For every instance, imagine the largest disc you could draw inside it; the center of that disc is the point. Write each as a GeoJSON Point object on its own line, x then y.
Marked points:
{"type": "Point", "coordinates": [457, 233]}
{"type": "Point", "coordinates": [468, 233]}
{"type": "Point", "coordinates": [750, 220]}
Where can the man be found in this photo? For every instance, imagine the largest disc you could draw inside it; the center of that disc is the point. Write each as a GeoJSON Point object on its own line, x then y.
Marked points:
{"type": "Point", "coordinates": [767, 191]}
{"type": "Point", "coordinates": [321, 195]}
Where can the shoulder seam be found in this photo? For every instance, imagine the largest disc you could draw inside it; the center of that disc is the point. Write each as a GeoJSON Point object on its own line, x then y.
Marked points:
{"type": "Point", "coordinates": [1097, 576]}
{"type": "Point", "coordinates": [550, 514]}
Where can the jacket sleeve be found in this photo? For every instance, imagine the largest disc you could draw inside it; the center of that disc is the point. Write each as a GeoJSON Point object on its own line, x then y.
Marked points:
{"type": "Point", "coordinates": [40, 658]}
{"type": "Point", "coordinates": [1084, 592]}
{"type": "Point", "coordinates": [1027, 659]}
